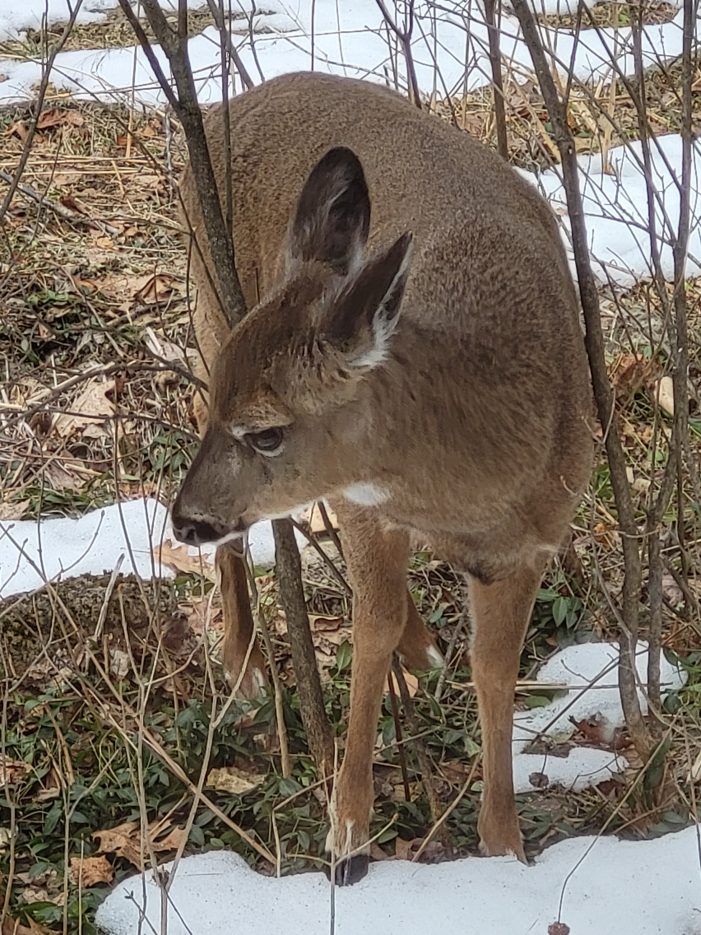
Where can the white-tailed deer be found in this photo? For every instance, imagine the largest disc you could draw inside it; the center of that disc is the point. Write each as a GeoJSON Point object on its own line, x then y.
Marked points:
{"type": "Point", "coordinates": [413, 354]}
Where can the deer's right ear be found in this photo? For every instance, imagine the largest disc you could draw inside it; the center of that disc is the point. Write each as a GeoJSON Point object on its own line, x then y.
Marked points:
{"type": "Point", "coordinates": [332, 218]}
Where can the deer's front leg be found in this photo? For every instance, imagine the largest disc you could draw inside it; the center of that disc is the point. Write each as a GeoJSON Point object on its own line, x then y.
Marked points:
{"type": "Point", "coordinates": [377, 563]}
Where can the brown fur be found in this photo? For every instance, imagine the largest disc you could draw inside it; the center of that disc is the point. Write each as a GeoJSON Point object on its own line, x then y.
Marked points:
{"type": "Point", "coordinates": [441, 362]}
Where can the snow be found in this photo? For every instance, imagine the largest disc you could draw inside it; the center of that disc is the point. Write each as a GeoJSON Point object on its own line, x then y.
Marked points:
{"type": "Point", "coordinates": [641, 888]}
{"type": "Point", "coordinates": [590, 671]}
{"type": "Point", "coordinates": [125, 534]}
{"type": "Point", "coordinates": [342, 37]}
{"type": "Point", "coordinates": [616, 205]}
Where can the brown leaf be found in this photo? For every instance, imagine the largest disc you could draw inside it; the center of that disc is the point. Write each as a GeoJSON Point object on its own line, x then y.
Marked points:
{"type": "Point", "coordinates": [58, 118]}
{"type": "Point", "coordinates": [15, 927]}
{"type": "Point", "coordinates": [155, 289]}
{"type": "Point", "coordinates": [19, 129]}
{"type": "Point", "coordinates": [12, 771]}
{"type": "Point", "coordinates": [88, 412]}
{"type": "Point", "coordinates": [89, 871]}
{"type": "Point", "coordinates": [412, 683]}
{"type": "Point", "coordinates": [178, 558]}
{"type": "Point", "coordinates": [13, 511]}
{"type": "Point", "coordinates": [232, 780]}
{"type": "Point", "coordinates": [630, 373]}
{"type": "Point", "coordinates": [405, 850]}
{"type": "Point", "coordinates": [125, 840]}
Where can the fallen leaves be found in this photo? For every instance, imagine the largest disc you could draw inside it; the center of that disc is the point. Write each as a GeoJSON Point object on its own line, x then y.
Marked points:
{"type": "Point", "coordinates": [631, 373]}
{"type": "Point", "coordinates": [155, 289]}
{"type": "Point", "coordinates": [56, 117]}
{"type": "Point", "coordinates": [15, 927]}
{"type": "Point", "coordinates": [232, 780]}
{"type": "Point", "coordinates": [412, 683]}
{"type": "Point", "coordinates": [12, 771]}
{"type": "Point", "coordinates": [178, 559]}
{"type": "Point", "coordinates": [89, 412]}
{"type": "Point", "coordinates": [89, 871]}
{"type": "Point", "coordinates": [126, 840]}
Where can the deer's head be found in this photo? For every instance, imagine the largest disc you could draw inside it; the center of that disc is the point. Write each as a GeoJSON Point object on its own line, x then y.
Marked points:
{"type": "Point", "coordinates": [286, 411]}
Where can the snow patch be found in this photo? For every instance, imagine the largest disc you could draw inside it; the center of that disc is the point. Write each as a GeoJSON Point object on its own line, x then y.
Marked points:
{"type": "Point", "coordinates": [590, 672]}
{"type": "Point", "coordinates": [34, 552]}
{"type": "Point", "coordinates": [659, 880]}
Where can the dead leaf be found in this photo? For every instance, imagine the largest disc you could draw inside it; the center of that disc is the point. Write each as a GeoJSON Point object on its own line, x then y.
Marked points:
{"type": "Point", "coordinates": [412, 683]}
{"type": "Point", "coordinates": [73, 204]}
{"type": "Point", "coordinates": [376, 853]}
{"type": "Point", "coordinates": [664, 395]}
{"type": "Point", "coordinates": [232, 780]}
{"type": "Point", "coordinates": [14, 511]}
{"type": "Point", "coordinates": [15, 927]}
{"type": "Point", "coordinates": [89, 871]}
{"type": "Point", "coordinates": [126, 840]}
{"type": "Point", "coordinates": [630, 373]}
{"type": "Point", "coordinates": [405, 850]}
{"type": "Point", "coordinates": [19, 129]}
{"type": "Point", "coordinates": [89, 411]}
{"type": "Point", "coordinates": [671, 590]}
{"type": "Point", "coordinates": [157, 288]}
{"type": "Point", "coordinates": [49, 119]}
{"type": "Point", "coordinates": [57, 477]}
{"type": "Point", "coordinates": [178, 558]}
{"type": "Point", "coordinates": [12, 771]}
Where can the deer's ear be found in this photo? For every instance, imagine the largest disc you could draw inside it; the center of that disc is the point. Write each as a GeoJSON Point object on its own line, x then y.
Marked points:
{"type": "Point", "coordinates": [361, 319]}
{"type": "Point", "coordinates": [332, 218]}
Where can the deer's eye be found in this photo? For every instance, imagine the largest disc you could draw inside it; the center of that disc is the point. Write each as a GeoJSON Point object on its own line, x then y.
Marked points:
{"type": "Point", "coordinates": [267, 442]}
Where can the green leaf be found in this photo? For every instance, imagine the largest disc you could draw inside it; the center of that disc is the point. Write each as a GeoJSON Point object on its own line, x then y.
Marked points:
{"type": "Point", "coordinates": [559, 610]}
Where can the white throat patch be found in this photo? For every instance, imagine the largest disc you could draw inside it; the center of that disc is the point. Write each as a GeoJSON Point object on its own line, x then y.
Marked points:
{"type": "Point", "coordinates": [365, 494]}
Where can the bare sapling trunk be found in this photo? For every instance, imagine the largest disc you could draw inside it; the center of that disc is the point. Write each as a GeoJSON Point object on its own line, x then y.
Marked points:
{"type": "Point", "coordinates": [184, 102]}
{"type": "Point", "coordinates": [603, 392]}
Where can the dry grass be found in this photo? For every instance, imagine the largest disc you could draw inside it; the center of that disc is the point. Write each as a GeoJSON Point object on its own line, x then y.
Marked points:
{"type": "Point", "coordinates": [614, 15]}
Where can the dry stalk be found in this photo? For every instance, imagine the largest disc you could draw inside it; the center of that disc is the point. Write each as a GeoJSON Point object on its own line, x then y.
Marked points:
{"type": "Point", "coordinates": [173, 41]}
{"type": "Point", "coordinates": [603, 393]}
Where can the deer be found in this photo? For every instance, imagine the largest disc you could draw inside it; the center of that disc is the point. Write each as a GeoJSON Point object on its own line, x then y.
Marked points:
{"type": "Point", "coordinates": [412, 354]}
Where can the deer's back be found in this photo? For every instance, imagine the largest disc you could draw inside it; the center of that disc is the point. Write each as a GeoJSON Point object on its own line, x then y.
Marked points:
{"type": "Point", "coordinates": [422, 174]}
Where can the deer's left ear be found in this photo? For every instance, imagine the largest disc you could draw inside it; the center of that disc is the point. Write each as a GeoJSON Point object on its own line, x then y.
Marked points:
{"type": "Point", "coordinates": [361, 319]}
{"type": "Point", "coordinates": [332, 218]}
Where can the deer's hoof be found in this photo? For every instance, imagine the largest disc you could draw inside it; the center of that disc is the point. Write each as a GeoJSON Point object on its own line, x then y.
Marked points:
{"type": "Point", "coordinates": [350, 870]}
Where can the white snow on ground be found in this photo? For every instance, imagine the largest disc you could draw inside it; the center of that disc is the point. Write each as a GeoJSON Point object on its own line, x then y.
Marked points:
{"type": "Point", "coordinates": [345, 37]}
{"type": "Point", "coordinates": [590, 670]}
{"type": "Point", "coordinates": [641, 888]}
{"type": "Point", "coordinates": [616, 205]}
{"type": "Point", "coordinates": [33, 553]}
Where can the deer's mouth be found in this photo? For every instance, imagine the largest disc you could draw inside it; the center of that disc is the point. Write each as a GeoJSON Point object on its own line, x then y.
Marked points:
{"type": "Point", "coordinates": [207, 531]}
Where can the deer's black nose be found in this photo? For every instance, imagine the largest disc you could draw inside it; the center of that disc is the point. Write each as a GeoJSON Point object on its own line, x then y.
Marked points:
{"type": "Point", "coordinates": [197, 531]}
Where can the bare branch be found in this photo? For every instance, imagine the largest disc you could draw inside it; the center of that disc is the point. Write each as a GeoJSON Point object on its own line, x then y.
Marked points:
{"type": "Point", "coordinates": [603, 392]}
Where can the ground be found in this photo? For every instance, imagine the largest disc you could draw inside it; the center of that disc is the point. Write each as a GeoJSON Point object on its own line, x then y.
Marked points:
{"type": "Point", "coordinates": [112, 698]}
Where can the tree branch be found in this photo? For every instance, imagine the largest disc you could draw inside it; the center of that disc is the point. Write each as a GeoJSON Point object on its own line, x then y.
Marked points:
{"type": "Point", "coordinates": [603, 393]}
